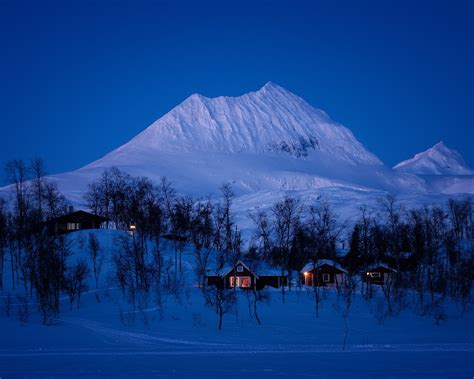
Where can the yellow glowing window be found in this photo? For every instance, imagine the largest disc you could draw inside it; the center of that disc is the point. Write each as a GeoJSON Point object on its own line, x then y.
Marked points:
{"type": "Point", "coordinates": [242, 281]}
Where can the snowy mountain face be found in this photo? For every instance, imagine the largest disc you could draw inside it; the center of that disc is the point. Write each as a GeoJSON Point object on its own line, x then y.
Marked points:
{"type": "Point", "coordinates": [442, 169]}
{"type": "Point", "coordinates": [270, 139]}
{"type": "Point", "coordinates": [263, 143]}
{"type": "Point", "coordinates": [271, 120]}
{"type": "Point", "coordinates": [438, 160]}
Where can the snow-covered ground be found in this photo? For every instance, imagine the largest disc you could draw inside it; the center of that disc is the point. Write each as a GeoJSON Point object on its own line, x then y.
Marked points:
{"type": "Point", "coordinates": [110, 338]}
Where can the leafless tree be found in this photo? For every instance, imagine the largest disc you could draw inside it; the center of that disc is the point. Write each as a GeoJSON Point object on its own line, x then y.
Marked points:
{"type": "Point", "coordinates": [255, 298]}
{"type": "Point", "coordinates": [392, 213]}
{"type": "Point", "coordinates": [346, 298]}
{"type": "Point", "coordinates": [262, 235]}
{"type": "Point", "coordinates": [223, 300]}
{"type": "Point", "coordinates": [202, 236]}
{"type": "Point", "coordinates": [224, 223]}
{"type": "Point", "coordinates": [38, 184]}
{"type": "Point", "coordinates": [286, 218]}
{"type": "Point", "coordinates": [460, 216]}
{"type": "Point", "coordinates": [96, 255]}
{"type": "Point", "coordinates": [75, 282]}
{"type": "Point", "coordinates": [324, 232]}
{"type": "Point", "coordinates": [17, 174]}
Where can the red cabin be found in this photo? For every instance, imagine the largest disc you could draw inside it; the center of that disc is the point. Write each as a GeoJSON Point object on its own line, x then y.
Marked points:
{"type": "Point", "coordinates": [241, 276]}
{"type": "Point", "coordinates": [324, 273]}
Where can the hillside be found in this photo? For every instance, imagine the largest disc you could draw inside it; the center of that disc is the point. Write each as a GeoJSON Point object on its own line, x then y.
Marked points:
{"type": "Point", "coordinates": [115, 338]}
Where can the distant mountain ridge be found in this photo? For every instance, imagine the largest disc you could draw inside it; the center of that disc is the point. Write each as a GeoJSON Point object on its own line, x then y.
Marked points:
{"type": "Point", "coordinates": [265, 144]}
{"type": "Point", "coordinates": [437, 160]}
{"type": "Point", "coordinates": [269, 139]}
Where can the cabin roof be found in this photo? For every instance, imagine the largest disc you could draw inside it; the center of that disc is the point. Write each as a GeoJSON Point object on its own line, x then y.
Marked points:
{"type": "Point", "coordinates": [263, 269]}
{"type": "Point", "coordinates": [321, 262]}
{"type": "Point", "coordinates": [380, 266]}
{"type": "Point", "coordinates": [79, 216]}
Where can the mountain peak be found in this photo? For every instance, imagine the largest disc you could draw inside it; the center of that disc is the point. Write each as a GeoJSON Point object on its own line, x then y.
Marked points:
{"type": "Point", "coordinates": [271, 88]}
{"type": "Point", "coordinates": [437, 160]}
{"type": "Point", "coordinates": [270, 121]}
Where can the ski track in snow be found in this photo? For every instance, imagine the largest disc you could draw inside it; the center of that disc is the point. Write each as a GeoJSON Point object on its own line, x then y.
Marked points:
{"type": "Point", "coordinates": [140, 339]}
{"type": "Point", "coordinates": [145, 344]}
{"type": "Point", "coordinates": [250, 350]}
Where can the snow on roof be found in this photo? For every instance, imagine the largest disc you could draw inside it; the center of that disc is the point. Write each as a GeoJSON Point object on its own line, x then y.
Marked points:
{"type": "Point", "coordinates": [381, 265]}
{"type": "Point", "coordinates": [267, 270]}
{"type": "Point", "coordinates": [321, 262]}
{"type": "Point", "coordinates": [263, 269]}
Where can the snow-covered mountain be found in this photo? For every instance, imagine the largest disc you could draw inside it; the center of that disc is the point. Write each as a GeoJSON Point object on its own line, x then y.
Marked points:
{"type": "Point", "coordinates": [263, 143]}
{"type": "Point", "coordinates": [271, 120]}
{"type": "Point", "coordinates": [437, 160]}
{"type": "Point", "coordinates": [443, 170]}
{"type": "Point", "coordinates": [270, 139]}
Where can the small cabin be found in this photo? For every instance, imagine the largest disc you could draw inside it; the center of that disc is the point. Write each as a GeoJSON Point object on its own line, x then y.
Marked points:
{"type": "Point", "coordinates": [379, 274]}
{"type": "Point", "coordinates": [323, 273]}
{"type": "Point", "coordinates": [242, 276]}
{"type": "Point", "coordinates": [78, 220]}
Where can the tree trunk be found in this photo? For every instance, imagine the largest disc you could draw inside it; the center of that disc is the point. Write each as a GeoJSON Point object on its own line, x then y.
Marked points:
{"type": "Point", "coordinates": [316, 299]}
{"type": "Point", "coordinates": [220, 317]}
{"type": "Point", "coordinates": [345, 334]}
{"type": "Point", "coordinates": [255, 311]}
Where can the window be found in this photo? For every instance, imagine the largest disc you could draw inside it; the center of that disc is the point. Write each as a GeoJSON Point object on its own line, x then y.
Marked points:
{"type": "Point", "coordinates": [245, 281]}
{"type": "Point", "coordinates": [242, 281]}
{"type": "Point", "coordinates": [374, 274]}
{"type": "Point", "coordinates": [240, 269]}
{"type": "Point", "coordinates": [326, 278]}
{"type": "Point", "coordinates": [73, 226]}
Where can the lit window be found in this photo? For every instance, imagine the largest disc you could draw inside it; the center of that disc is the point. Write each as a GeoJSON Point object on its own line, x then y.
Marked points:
{"type": "Point", "coordinates": [326, 278]}
{"type": "Point", "coordinates": [242, 281]}
{"type": "Point", "coordinates": [240, 269]}
{"type": "Point", "coordinates": [73, 226]}
{"type": "Point", "coordinates": [245, 281]}
{"type": "Point", "coordinates": [374, 274]}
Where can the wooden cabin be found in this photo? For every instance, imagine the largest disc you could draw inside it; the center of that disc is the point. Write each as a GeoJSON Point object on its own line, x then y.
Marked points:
{"type": "Point", "coordinates": [242, 276]}
{"type": "Point", "coordinates": [323, 273]}
{"type": "Point", "coordinates": [78, 220]}
{"type": "Point", "coordinates": [378, 274]}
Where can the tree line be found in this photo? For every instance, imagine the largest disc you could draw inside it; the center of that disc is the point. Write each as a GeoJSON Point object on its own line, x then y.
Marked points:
{"type": "Point", "coordinates": [430, 247]}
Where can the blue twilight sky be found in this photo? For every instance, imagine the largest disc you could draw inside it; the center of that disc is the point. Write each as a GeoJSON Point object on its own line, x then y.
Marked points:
{"type": "Point", "coordinates": [80, 78]}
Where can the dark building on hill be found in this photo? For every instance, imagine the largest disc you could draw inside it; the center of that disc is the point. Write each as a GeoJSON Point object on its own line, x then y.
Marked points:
{"type": "Point", "coordinates": [379, 274]}
{"type": "Point", "coordinates": [323, 273]}
{"type": "Point", "coordinates": [77, 220]}
{"type": "Point", "coordinates": [242, 276]}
